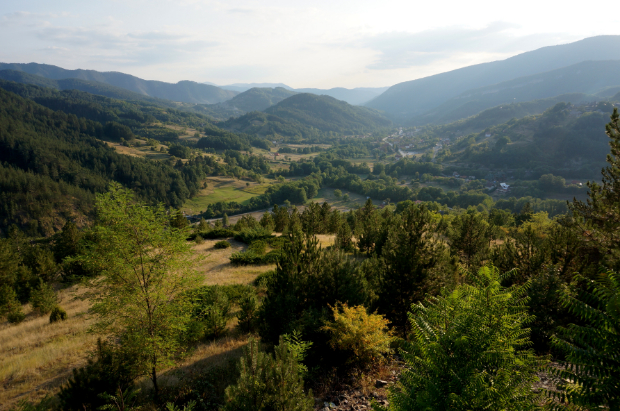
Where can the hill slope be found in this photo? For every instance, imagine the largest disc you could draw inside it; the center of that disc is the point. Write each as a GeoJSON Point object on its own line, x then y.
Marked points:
{"type": "Point", "coordinates": [412, 98]}
{"type": "Point", "coordinates": [302, 113]}
{"type": "Point", "coordinates": [184, 91]}
{"type": "Point", "coordinates": [92, 87]}
{"type": "Point", "coordinates": [254, 99]}
{"type": "Point", "coordinates": [588, 77]}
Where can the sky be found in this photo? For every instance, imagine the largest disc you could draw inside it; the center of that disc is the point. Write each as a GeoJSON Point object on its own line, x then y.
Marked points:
{"type": "Point", "coordinates": [320, 43]}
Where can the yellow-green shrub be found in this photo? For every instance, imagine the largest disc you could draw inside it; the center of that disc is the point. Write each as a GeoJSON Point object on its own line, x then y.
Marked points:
{"type": "Point", "coordinates": [365, 335]}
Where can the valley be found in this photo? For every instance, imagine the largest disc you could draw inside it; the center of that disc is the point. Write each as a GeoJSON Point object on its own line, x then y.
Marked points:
{"type": "Point", "coordinates": [159, 239]}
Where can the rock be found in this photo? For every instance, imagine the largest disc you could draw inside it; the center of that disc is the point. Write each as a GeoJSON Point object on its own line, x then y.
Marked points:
{"type": "Point", "coordinates": [380, 383]}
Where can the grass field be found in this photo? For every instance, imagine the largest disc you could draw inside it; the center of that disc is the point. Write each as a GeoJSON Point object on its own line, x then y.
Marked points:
{"type": "Point", "coordinates": [223, 189]}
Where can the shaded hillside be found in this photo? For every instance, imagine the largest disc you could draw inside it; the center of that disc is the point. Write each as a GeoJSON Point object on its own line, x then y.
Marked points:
{"type": "Point", "coordinates": [254, 99]}
{"type": "Point", "coordinates": [501, 114]}
{"type": "Point", "coordinates": [184, 91]}
{"type": "Point", "coordinates": [307, 113]}
{"type": "Point", "coordinates": [137, 115]}
{"type": "Point", "coordinates": [92, 87]}
{"type": "Point", "coordinates": [416, 97]}
{"type": "Point", "coordinates": [588, 77]}
{"type": "Point", "coordinates": [567, 139]}
{"type": "Point", "coordinates": [51, 164]}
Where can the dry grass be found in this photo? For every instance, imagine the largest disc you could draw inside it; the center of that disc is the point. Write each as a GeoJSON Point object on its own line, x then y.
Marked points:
{"type": "Point", "coordinates": [37, 358]}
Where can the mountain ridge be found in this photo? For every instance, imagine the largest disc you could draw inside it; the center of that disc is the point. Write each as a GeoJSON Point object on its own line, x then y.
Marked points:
{"type": "Point", "coordinates": [415, 97]}
{"type": "Point", "coordinates": [183, 91]}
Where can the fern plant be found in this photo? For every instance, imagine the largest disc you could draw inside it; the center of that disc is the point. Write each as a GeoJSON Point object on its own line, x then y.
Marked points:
{"type": "Point", "coordinates": [469, 350]}
{"type": "Point", "coordinates": [592, 366]}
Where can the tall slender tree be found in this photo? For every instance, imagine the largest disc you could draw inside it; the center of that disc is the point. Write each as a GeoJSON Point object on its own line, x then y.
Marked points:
{"type": "Point", "coordinates": [145, 268]}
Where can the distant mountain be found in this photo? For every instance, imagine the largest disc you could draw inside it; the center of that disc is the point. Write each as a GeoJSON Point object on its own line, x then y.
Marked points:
{"type": "Point", "coordinates": [355, 96]}
{"type": "Point", "coordinates": [241, 87]}
{"type": "Point", "coordinates": [307, 114]}
{"type": "Point", "coordinates": [183, 91]}
{"type": "Point", "coordinates": [413, 98]}
{"type": "Point", "coordinates": [259, 99]}
{"type": "Point", "coordinates": [92, 87]}
{"type": "Point", "coordinates": [254, 99]}
{"type": "Point", "coordinates": [589, 77]}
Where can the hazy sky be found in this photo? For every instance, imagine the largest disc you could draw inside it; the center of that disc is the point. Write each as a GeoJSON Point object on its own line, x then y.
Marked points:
{"type": "Point", "coordinates": [322, 43]}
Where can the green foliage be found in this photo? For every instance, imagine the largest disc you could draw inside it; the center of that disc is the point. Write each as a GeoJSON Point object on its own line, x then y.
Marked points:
{"type": "Point", "coordinates": [268, 382]}
{"type": "Point", "coordinates": [145, 267]}
{"type": "Point", "coordinates": [250, 235]}
{"type": "Point", "coordinates": [591, 371]}
{"type": "Point", "coordinates": [601, 212]}
{"type": "Point", "coordinates": [469, 350]}
{"type": "Point", "coordinates": [221, 244]}
{"type": "Point", "coordinates": [43, 298]}
{"type": "Point", "coordinates": [108, 371]}
{"type": "Point", "coordinates": [470, 239]}
{"type": "Point", "coordinates": [211, 306]}
{"type": "Point", "coordinates": [58, 314]}
{"type": "Point", "coordinates": [414, 262]}
{"type": "Point", "coordinates": [248, 312]}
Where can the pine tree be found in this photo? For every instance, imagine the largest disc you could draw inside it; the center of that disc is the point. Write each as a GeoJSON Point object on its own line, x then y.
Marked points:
{"type": "Point", "coordinates": [601, 212]}
{"type": "Point", "coordinates": [411, 254]}
{"type": "Point", "coordinates": [470, 238]}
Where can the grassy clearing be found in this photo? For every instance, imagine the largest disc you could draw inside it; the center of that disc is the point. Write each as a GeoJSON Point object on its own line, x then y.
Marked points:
{"type": "Point", "coordinates": [355, 200]}
{"type": "Point", "coordinates": [223, 189]}
{"type": "Point", "coordinates": [142, 152]}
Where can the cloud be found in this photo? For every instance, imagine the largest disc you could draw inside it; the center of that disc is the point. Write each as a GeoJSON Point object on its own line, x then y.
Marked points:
{"type": "Point", "coordinates": [397, 50]}
{"type": "Point", "coordinates": [133, 48]}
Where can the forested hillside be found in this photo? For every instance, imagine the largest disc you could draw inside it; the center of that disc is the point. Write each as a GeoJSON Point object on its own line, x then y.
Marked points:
{"type": "Point", "coordinates": [184, 91]}
{"type": "Point", "coordinates": [93, 87]}
{"type": "Point", "coordinates": [566, 138]}
{"type": "Point", "coordinates": [254, 99]}
{"type": "Point", "coordinates": [307, 114]}
{"type": "Point", "coordinates": [53, 163]}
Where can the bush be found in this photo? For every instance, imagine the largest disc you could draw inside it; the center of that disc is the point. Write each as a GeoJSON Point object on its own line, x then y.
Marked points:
{"type": "Point", "coordinates": [110, 371]}
{"type": "Point", "coordinates": [365, 336]}
{"type": "Point", "coordinates": [212, 234]}
{"type": "Point", "coordinates": [221, 244]}
{"type": "Point", "coordinates": [212, 308]}
{"type": "Point", "coordinates": [199, 239]}
{"type": "Point", "coordinates": [268, 383]}
{"type": "Point", "coordinates": [258, 247]}
{"type": "Point", "coordinates": [469, 350]}
{"type": "Point", "coordinates": [250, 257]}
{"type": "Point", "coordinates": [16, 316]}
{"type": "Point", "coordinates": [252, 234]}
{"type": "Point", "coordinates": [43, 298]}
{"type": "Point", "coordinates": [58, 314]}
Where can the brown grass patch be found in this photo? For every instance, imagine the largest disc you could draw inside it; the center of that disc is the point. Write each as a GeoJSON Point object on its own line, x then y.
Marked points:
{"type": "Point", "coordinates": [37, 357]}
